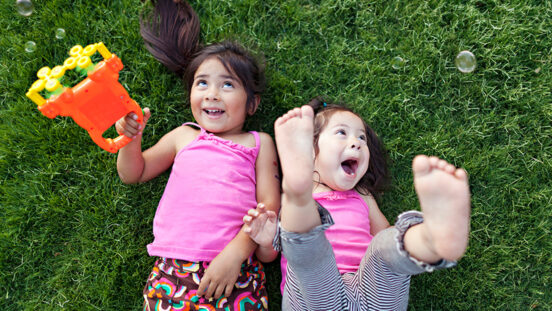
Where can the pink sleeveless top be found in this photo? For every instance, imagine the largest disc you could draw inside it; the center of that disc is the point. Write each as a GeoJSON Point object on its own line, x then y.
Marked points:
{"type": "Point", "coordinates": [350, 235]}
{"type": "Point", "coordinates": [211, 187]}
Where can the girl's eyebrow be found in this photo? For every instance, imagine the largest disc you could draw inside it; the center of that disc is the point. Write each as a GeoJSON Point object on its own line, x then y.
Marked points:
{"type": "Point", "coordinates": [203, 76]}
{"type": "Point", "coordinates": [347, 126]}
{"type": "Point", "coordinates": [228, 77]}
{"type": "Point", "coordinates": [341, 125]}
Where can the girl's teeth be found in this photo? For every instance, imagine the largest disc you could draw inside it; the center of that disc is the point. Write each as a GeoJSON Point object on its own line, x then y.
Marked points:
{"type": "Point", "coordinates": [213, 111]}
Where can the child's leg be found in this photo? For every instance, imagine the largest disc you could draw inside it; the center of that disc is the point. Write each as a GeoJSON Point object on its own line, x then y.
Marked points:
{"type": "Point", "coordinates": [294, 140]}
{"type": "Point", "coordinates": [384, 273]}
{"type": "Point", "coordinates": [405, 249]}
{"type": "Point", "coordinates": [313, 281]}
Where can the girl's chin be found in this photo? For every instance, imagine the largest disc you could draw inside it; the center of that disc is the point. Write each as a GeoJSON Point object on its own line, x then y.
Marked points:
{"type": "Point", "coordinates": [340, 183]}
{"type": "Point", "coordinates": [344, 187]}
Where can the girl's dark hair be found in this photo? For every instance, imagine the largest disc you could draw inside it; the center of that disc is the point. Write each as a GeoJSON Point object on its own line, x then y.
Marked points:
{"type": "Point", "coordinates": [171, 34]}
{"type": "Point", "coordinates": [377, 177]}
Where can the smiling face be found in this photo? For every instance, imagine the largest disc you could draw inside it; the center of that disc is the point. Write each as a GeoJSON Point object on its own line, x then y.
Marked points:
{"type": "Point", "coordinates": [343, 154]}
{"type": "Point", "coordinates": [218, 98]}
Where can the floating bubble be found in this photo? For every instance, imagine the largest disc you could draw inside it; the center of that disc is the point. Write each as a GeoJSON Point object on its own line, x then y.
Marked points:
{"type": "Point", "coordinates": [465, 61]}
{"type": "Point", "coordinates": [397, 62]}
{"type": "Point", "coordinates": [24, 7]}
{"type": "Point", "coordinates": [30, 47]}
{"type": "Point", "coordinates": [60, 33]}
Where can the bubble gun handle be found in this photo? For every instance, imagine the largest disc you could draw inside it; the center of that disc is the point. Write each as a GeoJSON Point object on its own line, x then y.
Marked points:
{"type": "Point", "coordinates": [96, 102]}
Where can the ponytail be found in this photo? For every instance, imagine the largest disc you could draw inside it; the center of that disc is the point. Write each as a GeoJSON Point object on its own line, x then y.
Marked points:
{"type": "Point", "coordinates": [171, 33]}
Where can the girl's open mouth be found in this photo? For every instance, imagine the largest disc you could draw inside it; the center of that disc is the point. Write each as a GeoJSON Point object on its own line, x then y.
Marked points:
{"type": "Point", "coordinates": [349, 167]}
{"type": "Point", "coordinates": [213, 112]}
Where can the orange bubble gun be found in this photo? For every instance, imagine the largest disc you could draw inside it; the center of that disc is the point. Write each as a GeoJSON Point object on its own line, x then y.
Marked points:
{"type": "Point", "coordinates": [96, 102]}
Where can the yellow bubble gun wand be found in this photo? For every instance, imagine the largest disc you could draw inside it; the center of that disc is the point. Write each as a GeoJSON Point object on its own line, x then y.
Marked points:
{"type": "Point", "coordinates": [96, 102]}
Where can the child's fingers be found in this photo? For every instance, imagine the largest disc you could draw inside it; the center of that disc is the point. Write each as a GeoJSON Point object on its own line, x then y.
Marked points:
{"type": "Point", "coordinates": [124, 129]}
{"type": "Point", "coordinates": [220, 290]}
{"type": "Point", "coordinates": [147, 115]}
{"type": "Point", "coordinates": [261, 207]}
{"type": "Point", "coordinates": [253, 213]}
{"type": "Point", "coordinates": [228, 290]}
{"type": "Point", "coordinates": [132, 121]}
{"type": "Point", "coordinates": [203, 284]}
{"type": "Point", "coordinates": [271, 215]}
{"type": "Point", "coordinates": [247, 220]}
{"type": "Point", "coordinates": [129, 125]}
{"type": "Point", "coordinates": [210, 290]}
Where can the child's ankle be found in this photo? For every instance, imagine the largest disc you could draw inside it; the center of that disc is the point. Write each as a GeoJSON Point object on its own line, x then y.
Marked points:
{"type": "Point", "coordinates": [420, 245]}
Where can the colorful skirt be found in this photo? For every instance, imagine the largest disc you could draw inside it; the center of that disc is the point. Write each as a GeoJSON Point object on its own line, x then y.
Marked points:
{"type": "Point", "coordinates": [173, 283]}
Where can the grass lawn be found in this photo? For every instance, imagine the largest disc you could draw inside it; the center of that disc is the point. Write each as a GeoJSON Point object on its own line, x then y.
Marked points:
{"type": "Point", "coordinates": [73, 237]}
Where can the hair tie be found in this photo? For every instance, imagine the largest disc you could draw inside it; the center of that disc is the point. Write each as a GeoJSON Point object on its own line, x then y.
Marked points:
{"type": "Point", "coordinates": [324, 104]}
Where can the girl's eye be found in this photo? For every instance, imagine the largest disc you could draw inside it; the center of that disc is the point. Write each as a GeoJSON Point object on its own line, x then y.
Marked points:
{"type": "Point", "coordinates": [362, 137]}
{"type": "Point", "coordinates": [227, 84]}
{"type": "Point", "coordinates": [341, 132]}
{"type": "Point", "coordinates": [201, 83]}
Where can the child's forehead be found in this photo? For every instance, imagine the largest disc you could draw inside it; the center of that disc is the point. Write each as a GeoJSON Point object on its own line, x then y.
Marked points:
{"type": "Point", "coordinates": [346, 119]}
{"type": "Point", "coordinates": [213, 66]}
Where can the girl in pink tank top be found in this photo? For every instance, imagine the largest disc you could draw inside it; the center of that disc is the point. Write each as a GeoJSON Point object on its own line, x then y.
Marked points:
{"type": "Point", "coordinates": [219, 171]}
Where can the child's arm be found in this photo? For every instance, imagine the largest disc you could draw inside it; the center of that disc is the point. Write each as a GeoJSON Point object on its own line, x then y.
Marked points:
{"type": "Point", "coordinates": [378, 221]}
{"type": "Point", "coordinates": [268, 187]}
{"type": "Point", "coordinates": [135, 166]}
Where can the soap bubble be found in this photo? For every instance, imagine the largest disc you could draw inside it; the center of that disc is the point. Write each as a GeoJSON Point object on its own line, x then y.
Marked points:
{"type": "Point", "coordinates": [60, 33]}
{"type": "Point", "coordinates": [397, 62]}
{"type": "Point", "coordinates": [465, 62]}
{"type": "Point", "coordinates": [30, 47]}
{"type": "Point", "coordinates": [24, 7]}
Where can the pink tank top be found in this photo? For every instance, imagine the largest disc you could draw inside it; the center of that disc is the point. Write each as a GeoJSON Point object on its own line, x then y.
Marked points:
{"type": "Point", "coordinates": [350, 235]}
{"type": "Point", "coordinates": [211, 187]}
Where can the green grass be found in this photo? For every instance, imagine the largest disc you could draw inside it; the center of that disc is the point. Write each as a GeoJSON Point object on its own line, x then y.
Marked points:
{"type": "Point", "coordinates": [73, 236]}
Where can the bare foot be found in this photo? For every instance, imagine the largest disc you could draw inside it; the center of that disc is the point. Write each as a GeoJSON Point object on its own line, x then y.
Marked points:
{"type": "Point", "coordinates": [294, 139]}
{"type": "Point", "coordinates": [444, 196]}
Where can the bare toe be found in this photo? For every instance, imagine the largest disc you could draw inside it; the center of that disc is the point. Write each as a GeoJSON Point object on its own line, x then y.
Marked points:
{"type": "Point", "coordinates": [461, 174]}
{"type": "Point", "coordinates": [306, 111]}
{"type": "Point", "coordinates": [421, 165]}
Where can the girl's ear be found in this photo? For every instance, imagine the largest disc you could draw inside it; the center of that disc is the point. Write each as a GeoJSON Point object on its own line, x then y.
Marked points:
{"type": "Point", "coordinates": [256, 101]}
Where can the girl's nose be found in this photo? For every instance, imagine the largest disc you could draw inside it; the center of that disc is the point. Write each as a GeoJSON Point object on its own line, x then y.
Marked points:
{"type": "Point", "coordinates": [355, 143]}
{"type": "Point", "coordinates": [212, 94]}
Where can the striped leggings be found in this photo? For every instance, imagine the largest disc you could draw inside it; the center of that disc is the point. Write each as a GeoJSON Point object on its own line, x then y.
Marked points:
{"type": "Point", "coordinates": [382, 281]}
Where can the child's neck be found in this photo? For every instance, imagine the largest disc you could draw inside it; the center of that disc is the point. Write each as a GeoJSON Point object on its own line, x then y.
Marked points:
{"type": "Point", "coordinates": [318, 187]}
{"type": "Point", "coordinates": [229, 135]}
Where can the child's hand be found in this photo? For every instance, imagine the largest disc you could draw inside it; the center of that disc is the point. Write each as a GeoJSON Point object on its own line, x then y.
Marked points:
{"type": "Point", "coordinates": [260, 225]}
{"type": "Point", "coordinates": [128, 125]}
{"type": "Point", "coordinates": [221, 275]}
